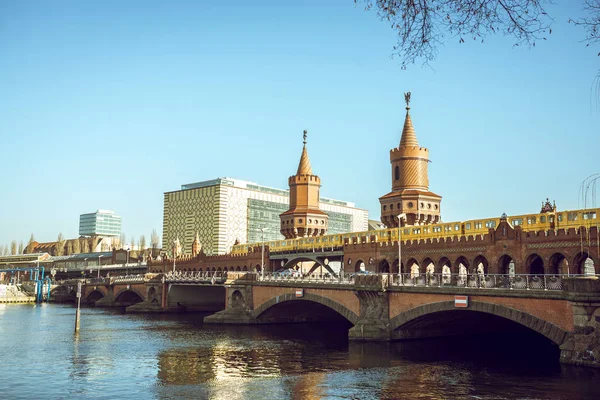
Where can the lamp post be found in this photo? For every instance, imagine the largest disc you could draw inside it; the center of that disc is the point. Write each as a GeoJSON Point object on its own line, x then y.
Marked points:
{"type": "Point", "coordinates": [174, 254]}
{"type": "Point", "coordinates": [99, 264]}
{"type": "Point", "coordinates": [127, 262]}
{"type": "Point", "coordinates": [400, 217]}
{"type": "Point", "coordinates": [84, 265]}
{"type": "Point", "coordinates": [262, 256]}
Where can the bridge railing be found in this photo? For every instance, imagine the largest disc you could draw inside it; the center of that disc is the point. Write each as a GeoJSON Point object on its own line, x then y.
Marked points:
{"type": "Point", "coordinates": [313, 278]}
{"type": "Point", "coordinates": [191, 276]}
{"type": "Point", "coordinates": [481, 281]}
{"type": "Point", "coordinates": [138, 278]}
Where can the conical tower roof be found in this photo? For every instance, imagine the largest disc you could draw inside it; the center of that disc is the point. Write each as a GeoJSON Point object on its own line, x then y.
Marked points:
{"type": "Point", "coordinates": [304, 165]}
{"type": "Point", "coordinates": [409, 138]}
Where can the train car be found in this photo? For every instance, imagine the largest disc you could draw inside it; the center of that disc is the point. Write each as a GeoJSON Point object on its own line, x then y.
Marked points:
{"type": "Point", "coordinates": [528, 222]}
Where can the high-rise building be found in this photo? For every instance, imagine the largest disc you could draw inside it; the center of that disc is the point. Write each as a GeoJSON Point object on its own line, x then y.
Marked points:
{"type": "Point", "coordinates": [225, 210]}
{"type": "Point", "coordinates": [100, 223]}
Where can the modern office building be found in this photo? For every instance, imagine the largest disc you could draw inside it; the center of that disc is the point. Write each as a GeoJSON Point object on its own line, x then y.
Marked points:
{"type": "Point", "coordinates": [227, 210]}
{"type": "Point", "coordinates": [100, 223]}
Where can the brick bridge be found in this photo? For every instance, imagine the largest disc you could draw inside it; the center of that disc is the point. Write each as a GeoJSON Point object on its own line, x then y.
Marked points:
{"type": "Point", "coordinates": [566, 311]}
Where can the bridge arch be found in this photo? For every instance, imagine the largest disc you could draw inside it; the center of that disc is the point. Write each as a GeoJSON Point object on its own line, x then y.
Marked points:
{"type": "Point", "coordinates": [535, 264]}
{"type": "Point", "coordinates": [504, 264]}
{"type": "Point", "coordinates": [383, 267]}
{"type": "Point", "coordinates": [544, 328]}
{"type": "Point", "coordinates": [94, 296]}
{"type": "Point", "coordinates": [558, 264]}
{"type": "Point", "coordinates": [480, 259]}
{"type": "Point", "coordinates": [462, 260]}
{"type": "Point", "coordinates": [308, 297]}
{"type": "Point", "coordinates": [358, 264]}
{"type": "Point", "coordinates": [444, 261]}
{"type": "Point", "coordinates": [129, 297]}
{"type": "Point", "coordinates": [579, 261]}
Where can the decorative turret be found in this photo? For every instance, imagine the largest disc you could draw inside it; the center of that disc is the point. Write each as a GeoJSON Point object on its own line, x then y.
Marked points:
{"type": "Point", "coordinates": [410, 193]}
{"type": "Point", "coordinates": [304, 217]}
{"type": "Point", "coordinates": [196, 246]}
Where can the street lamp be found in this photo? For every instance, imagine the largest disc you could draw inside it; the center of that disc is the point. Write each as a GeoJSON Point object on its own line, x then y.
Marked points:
{"type": "Point", "coordinates": [262, 257]}
{"type": "Point", "coordinates": [99, 264]}
{"type": "Point", "coordinates": [127, 262]}
{"type": "Point", "coordinates": [400, 218]}
{"type": "Point", "coordinates": [174, 253]}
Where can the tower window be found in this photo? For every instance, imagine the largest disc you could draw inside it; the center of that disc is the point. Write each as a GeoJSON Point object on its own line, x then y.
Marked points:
{"type": "Point", "coordinates": [396, 173]}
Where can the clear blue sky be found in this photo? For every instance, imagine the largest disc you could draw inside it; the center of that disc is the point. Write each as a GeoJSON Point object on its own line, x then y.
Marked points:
{"type": "Point", "coordinates": [109, 104]}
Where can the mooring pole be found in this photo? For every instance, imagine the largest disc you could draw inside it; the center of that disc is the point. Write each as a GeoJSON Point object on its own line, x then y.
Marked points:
{"type": "Point", "coordinates": [77, 313]}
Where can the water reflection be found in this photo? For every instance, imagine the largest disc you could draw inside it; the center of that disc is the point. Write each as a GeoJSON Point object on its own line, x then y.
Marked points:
{"type": "Point", "coordinates": [176, 356]}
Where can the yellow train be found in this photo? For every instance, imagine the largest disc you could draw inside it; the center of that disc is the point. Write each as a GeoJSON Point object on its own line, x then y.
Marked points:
{"type": "Point", "coordinates": [528, 222]}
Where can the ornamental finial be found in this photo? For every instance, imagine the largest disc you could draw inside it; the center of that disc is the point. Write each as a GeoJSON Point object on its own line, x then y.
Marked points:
{"type": "Point", "coordinates": [305, 133]}
{"type": "Point", "coordinates": [407, 100]}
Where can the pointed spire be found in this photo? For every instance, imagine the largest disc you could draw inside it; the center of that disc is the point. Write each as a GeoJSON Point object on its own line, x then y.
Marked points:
{"type": "Point", "coordinates": [304, 166]}
{"type": "Point", "coordinates": [409, 138]}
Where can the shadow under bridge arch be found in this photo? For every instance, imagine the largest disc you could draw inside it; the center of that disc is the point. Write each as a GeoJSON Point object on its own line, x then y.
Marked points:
{"type": "Point", "coordinates": [288, 308]}
{"type": "Point", "coordinates": [444, 319]}
{"type": "Point", "coordinates": [313, 262]}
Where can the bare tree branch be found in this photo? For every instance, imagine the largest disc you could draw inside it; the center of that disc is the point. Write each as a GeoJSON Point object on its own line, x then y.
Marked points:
{"type": "Point", "coordinates": [424, 24]}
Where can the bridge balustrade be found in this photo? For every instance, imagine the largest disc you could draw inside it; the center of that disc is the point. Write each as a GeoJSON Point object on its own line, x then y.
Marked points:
{"type": "Point", "coordinates": [314, 278]}
{"type": "Point", "coordinates": [128, 279]}
{"type": "Point", "coordinates": [481, 281]}
{"type": "Point", "coordinates": [195, 277]}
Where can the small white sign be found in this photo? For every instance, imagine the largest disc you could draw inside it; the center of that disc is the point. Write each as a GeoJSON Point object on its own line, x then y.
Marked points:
{"type": "Point", "coordinates": [299, 292]}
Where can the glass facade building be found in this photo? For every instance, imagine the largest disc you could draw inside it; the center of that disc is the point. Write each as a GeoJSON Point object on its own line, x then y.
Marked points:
{"type": "Point", "coordinates": [100, 223]}
{"type": "Point", "coordinates": [227, 210]}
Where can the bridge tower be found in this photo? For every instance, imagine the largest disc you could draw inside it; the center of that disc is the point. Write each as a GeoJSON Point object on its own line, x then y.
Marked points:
{"type": "Point", "coordinates": [304, 217]}
{"type": "Point", "coordinates": [410, 193]}
{"type": "Point", "coordinates": [196, 246]}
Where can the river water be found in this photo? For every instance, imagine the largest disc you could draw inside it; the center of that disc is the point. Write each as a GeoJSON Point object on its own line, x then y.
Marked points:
{"type": "Point", "coordinates": [123, 356]}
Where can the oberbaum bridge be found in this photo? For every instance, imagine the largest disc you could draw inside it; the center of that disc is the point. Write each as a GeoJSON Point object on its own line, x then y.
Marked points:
{"type": "Point", "coordinates": [533, 272]}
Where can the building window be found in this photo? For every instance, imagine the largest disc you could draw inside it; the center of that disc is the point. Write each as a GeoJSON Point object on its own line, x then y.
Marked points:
{"type": "Point", "coordinates": [391, 207]}
{"type": "Point", "coordinates": [384, 208]}
{"type": "Point", "coordinates": [396, 173]}
{"type": "Point", "coordinates": [410, 204]}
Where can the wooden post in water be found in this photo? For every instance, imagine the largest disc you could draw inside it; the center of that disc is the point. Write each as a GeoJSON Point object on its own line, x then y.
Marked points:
{"type": "Point", "coordinates": [77, 313]}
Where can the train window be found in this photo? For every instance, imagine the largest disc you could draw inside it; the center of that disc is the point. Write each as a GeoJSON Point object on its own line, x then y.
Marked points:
{"type": "Point", "coordinates": [559, 217]}
{"type": "Point", "coordinates": [457, 227]}
{"type": "Point", "coordinates": [437, 228]}
{"type": "Point", "coordinates": [517, 221]}
{"type": "Point", "coordinates": [530, 220]}
{"type": "Point", "coordinates": [407, 231]}
{"type": "Point", "coordinates": [589, 215]}
{"type": "Point", "coordinates": [478, 225]}
{"type": "Point", "coordinates": [572, 216]}
{"type": "Point", "coordinates": [490, 224]}
{"type": "Point", "coordinates": [417, 230]}
{"type": "Point", "coordinates": [468, 225]}
{"type": "Point", "coordinates": [543, 219]}
{"type": "Point", "coordinates": [425, 230]}
{"type": "Point", "coordinates": [447, 228]}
